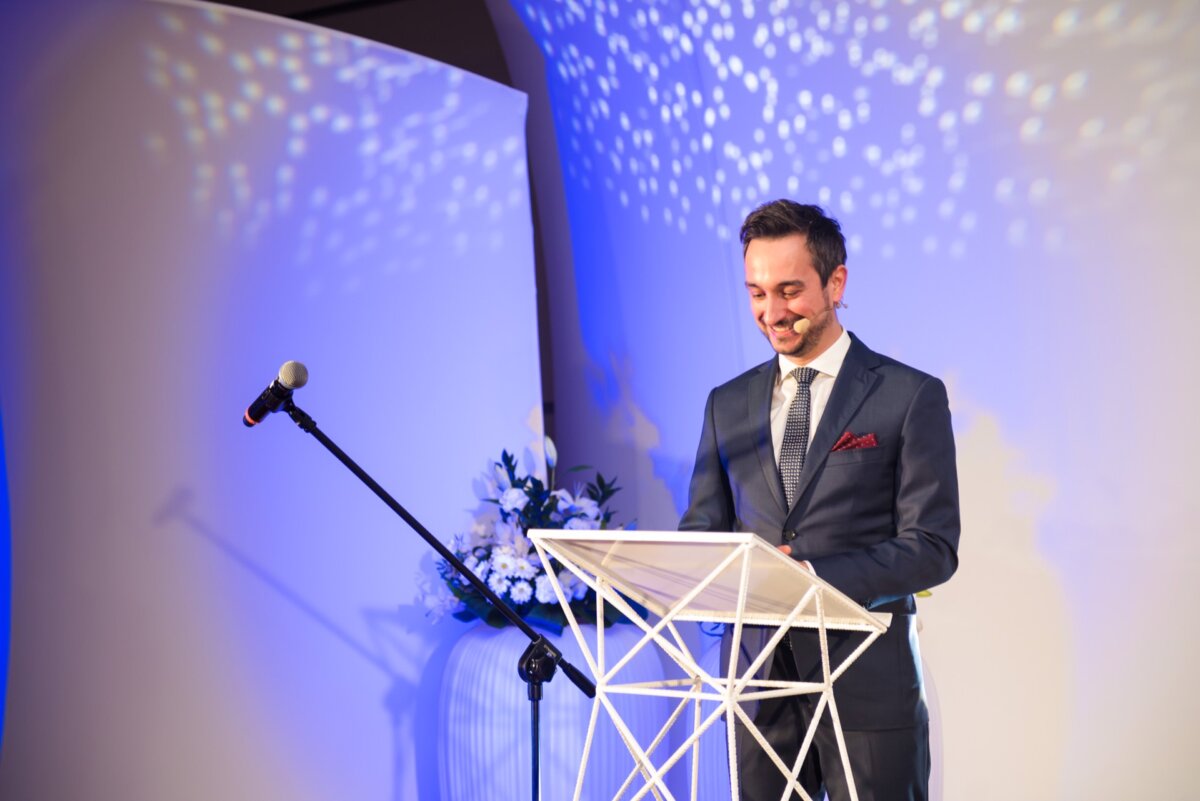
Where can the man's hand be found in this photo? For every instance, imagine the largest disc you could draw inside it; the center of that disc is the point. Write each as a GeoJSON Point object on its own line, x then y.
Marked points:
{"type": "Point", "coordinates": [786, 550]}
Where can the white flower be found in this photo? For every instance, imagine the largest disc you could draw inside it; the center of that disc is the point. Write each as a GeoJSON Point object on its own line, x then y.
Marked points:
{"type": "Point", "coordinates": [523, 569]}
{"type": "Point", "coordinates": [520, 592]}
{"type": "Point", "coordinates": [587, 506]}
{"type": "Point", "coordinates": [551, 453]}
{"type": "Point", "coordinates": [572, 587]}
{"type": "Point", "coordinates": [499, 584]}
{"type": "Point", "coordinates": [565, 501]}
{"type": "Point", "coordinates": [577, 523]}
{"type": "Point", "coordinates": [503, 562]}
{"type": "Point", "coordinates": [480, 567]}
{"type": "Point", "coordinates": [481, 533]}
{"type": "Point", "coordinates": [569, 506]}
{"type": "Point", "coordinates": [513, 499]}
{"type": "Point", "coordinates": [545, 590]}
{"type": "Point", "coordinates": [507, 533]}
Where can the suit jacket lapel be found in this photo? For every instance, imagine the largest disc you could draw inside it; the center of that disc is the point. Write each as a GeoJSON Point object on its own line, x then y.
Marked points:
{"type": "Point", "coordinates": [762, 386]}
{"type": "Point", "coordinates": [850, 389]}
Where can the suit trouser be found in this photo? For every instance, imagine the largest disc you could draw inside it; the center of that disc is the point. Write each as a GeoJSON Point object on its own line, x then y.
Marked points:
{"type": "Point", "coordinates": [888, 765]}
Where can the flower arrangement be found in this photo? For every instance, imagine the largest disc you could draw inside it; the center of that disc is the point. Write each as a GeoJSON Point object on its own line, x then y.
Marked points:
{"type": "Point", "coordinates": [498, 550]}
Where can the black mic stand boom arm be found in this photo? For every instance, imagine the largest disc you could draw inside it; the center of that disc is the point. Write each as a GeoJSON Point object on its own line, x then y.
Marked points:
{"type": "Point", "coordinates": [539, 661]}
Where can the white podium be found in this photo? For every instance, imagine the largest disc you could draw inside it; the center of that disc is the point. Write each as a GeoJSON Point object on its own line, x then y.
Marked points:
{"type": "Point", "coordinates": [737, 579]}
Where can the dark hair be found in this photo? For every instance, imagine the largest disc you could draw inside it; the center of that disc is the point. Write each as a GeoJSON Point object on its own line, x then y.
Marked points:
{"type": "Point", "coordinates": [781, 218]}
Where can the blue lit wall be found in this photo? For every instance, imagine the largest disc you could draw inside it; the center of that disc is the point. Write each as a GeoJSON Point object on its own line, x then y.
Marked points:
{"type": "Point", "coordinates": [196, 195]}
{"type": "Point", "coordinates": [5, 579]}
{"type": "Point", "coordinates": [1015, 181]}
{"type": "Point", "coordinates": [191, 197]}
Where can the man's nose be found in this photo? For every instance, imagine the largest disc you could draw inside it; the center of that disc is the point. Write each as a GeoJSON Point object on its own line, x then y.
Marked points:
{"type": "Point", "coordinates": [777, 311]}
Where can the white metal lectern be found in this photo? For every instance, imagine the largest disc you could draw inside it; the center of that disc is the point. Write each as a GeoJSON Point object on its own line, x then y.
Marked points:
{"type": "Point", "coordinates": [736, 579]}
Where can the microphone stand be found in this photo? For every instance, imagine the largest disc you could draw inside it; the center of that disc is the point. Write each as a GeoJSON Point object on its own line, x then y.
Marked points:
{"type": "Point", "coordinates": [540, 660]}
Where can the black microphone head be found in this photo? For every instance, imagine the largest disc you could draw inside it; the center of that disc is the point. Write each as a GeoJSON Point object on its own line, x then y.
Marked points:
{"type": "Point", "coordinates": [293, 375]}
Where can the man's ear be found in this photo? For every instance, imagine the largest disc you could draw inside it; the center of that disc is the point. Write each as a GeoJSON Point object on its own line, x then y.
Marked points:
{"type": "Point", "coordinates": [837, 283]}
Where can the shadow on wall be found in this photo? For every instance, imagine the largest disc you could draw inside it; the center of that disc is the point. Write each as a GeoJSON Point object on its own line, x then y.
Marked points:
{"type": "Point", "coordinates": [997, 637]}
{"type": "Point", "coordinates": [642, 462]}
{"type": "Point", "coordinates": [385, 650]}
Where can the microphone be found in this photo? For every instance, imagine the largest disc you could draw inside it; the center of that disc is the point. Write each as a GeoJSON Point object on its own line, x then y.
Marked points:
{"type": "Point", "coordinates": [801, 325]}
{"type": "Point", "coordinates": [292, 376]}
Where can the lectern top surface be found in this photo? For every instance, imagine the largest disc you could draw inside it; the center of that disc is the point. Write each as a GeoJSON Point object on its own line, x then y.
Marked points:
{"type": "Point", "coordinates": [659, 569]}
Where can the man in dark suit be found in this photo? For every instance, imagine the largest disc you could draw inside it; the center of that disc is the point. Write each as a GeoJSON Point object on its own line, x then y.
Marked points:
{"type": "Point", "coordinates": [845, 459]}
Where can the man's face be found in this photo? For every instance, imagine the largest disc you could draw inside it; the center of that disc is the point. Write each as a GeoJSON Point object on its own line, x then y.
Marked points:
{"type": "Point", "coordinates": [785, 287]}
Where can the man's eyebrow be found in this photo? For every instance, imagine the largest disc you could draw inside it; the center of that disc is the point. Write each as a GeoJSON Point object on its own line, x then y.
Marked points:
{"type": "Point", "coordinates": [793, 282]}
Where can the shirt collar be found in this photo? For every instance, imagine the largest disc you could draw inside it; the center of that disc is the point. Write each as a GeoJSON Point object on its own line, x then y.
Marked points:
{"type": "Point", "coordinates": [828, 363]}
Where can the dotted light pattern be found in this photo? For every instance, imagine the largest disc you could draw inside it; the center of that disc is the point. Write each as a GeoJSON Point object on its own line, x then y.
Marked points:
{"type": "Point", "coordinates": [360, 155]}
{"type": "Point", "coordinates": [691, 113]}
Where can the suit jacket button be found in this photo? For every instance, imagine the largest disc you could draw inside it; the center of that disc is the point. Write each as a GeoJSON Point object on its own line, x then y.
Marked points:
{"type": "Point", "coordinates": [788, 536]}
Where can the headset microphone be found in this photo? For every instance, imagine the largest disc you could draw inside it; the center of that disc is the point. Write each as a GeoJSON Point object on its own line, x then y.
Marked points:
{"type": "Point", "coordinates": [801, 325]}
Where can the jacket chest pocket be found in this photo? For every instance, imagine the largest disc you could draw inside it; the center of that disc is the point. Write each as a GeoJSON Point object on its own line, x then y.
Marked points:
{"type": "Point", "coordinates": [860, 456]}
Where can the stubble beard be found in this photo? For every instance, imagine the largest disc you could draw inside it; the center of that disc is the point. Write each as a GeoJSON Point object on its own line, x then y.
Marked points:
{"type": "Point", "coordinates": [808, 341]}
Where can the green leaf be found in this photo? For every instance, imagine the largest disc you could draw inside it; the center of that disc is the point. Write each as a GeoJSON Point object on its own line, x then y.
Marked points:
{"type": "Point", "coordinates": [479, 606]}
{"type": "Point", "coordinates": [548, 617]}
{"type": "Point", "coordinates": [495, 619]}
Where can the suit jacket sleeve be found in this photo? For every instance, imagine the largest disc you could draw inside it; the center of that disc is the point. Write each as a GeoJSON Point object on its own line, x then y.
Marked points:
{"type": "Point", "coordinates": [923, 551]}
{"type": "Point", "coordinates": [710, 502]}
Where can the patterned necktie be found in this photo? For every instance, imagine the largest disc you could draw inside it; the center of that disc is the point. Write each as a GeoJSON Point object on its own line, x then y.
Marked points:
{"type": "Point", "coordinates": [795, 434]}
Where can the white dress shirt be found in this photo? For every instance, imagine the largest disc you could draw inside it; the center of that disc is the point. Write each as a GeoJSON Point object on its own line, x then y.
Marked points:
{"type": "Point", "coordinates": [827, 365]}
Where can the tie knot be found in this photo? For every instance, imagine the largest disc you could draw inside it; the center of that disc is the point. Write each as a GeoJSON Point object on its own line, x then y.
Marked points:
{"type": "Point", "coordinates": [804, 375]}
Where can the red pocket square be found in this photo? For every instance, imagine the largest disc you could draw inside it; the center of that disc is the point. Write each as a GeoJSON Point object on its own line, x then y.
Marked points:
{"type": "Point", "coordinates": [850, 442]}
